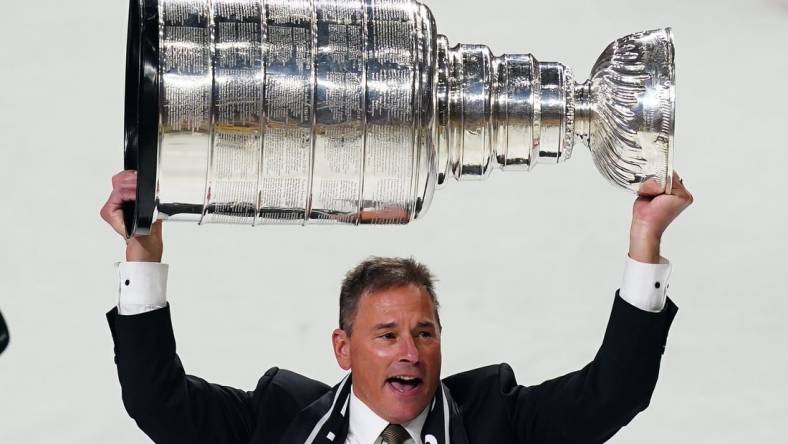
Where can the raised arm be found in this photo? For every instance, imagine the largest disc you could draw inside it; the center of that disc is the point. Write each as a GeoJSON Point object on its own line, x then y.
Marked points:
{"type": "Point", "coordinates": [142, 277]}
{"type": "Point", "coordinates": [590, 405]}
{"type": "Point", "coordinates": [168, 405]}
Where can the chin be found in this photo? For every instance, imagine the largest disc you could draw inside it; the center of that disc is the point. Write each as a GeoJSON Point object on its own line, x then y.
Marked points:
{"type": "Point", "coordinates": [404, 412]}
{"type": "Point", "coordinates": [404, 416]}
{"type": "Point", "coordinates": [404, 402]}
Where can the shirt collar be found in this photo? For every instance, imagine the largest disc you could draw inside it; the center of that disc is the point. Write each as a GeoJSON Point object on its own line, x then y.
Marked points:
{"type": "Point", "coordinates": [366, 426]}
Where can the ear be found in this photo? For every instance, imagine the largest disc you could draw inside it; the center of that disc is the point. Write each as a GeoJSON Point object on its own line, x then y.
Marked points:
{"type": "Point", "coordinates": [341, 342]}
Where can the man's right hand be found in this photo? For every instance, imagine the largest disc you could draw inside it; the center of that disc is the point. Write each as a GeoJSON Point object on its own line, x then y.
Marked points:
{"type": "Point", "coordinates": [138, 248]}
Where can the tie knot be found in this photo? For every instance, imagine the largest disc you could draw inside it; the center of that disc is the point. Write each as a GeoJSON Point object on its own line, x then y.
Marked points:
{"type": "Point", "coordinates": [395, 434]}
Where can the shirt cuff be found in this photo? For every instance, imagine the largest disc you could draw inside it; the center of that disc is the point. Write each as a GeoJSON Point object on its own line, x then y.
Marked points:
{"type": "Point", "coordinates": [142, 287]}
{"type": "Point", "coordinates": [645, 285]}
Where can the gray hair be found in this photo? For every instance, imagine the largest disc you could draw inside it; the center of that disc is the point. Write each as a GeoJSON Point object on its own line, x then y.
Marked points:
{"type": "Point", "coordinates": [381, 273]}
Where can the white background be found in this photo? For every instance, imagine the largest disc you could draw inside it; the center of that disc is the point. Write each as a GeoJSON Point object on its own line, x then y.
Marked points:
{"type": "Point", "coordinates": [528, 262]}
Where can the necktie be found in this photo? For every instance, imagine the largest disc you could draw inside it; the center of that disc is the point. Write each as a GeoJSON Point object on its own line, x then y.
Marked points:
{"type": "Point", "coordinates": [395, 434]}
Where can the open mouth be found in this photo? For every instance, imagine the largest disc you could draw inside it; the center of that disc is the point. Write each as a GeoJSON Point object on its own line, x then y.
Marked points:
{"type": "Point", "coordinates": [404, 384]}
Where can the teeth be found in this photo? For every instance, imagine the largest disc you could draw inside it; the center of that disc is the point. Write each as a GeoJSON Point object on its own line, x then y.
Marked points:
{"type": "Point", "coordinates": [409, 380]}
{"type": "Point", "coordinates": [405, 378]}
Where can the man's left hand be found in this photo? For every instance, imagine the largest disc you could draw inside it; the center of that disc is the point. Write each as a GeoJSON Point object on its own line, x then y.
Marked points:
{"type": "Point", "coordinates": [651, 216]}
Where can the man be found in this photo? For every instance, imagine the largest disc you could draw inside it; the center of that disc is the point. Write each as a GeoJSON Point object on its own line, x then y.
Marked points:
{"type": "Point", "coordinates": [389, 338]}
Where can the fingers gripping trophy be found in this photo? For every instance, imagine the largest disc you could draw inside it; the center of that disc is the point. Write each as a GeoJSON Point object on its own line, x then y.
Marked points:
{"type": "Point", "coordinates": [355, 111]}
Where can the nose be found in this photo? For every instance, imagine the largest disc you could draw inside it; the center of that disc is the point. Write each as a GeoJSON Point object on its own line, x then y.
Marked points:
{"type": "Point", "coordinates": [408, 351]}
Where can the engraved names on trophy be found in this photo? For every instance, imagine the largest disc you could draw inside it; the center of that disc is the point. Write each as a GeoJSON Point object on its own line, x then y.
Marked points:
{"type": "Point", "coordinates": [301, 110]}
{"type": "Point", "coordinates": [237, 112]}
{"type": "Point", "coordinates": [339, 109]}
{"type": "Point", "coordinates": [186, 78]}
{"type": "Point", "coordinates": [287, 148]}
{"type": "Point", "coordinates": [388, 166]}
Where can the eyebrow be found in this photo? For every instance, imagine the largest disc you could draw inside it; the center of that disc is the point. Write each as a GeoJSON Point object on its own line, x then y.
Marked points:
{"type": "Point", "coordinates": [421, 324]}
{"type": "Point", "coordinates": [385, 325]}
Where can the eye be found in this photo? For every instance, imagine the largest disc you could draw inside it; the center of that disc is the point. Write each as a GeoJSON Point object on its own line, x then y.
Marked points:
{"type": "Point", "coordinates": [387, 336]}
{"type": "Point", "coordinates": [425, 334]}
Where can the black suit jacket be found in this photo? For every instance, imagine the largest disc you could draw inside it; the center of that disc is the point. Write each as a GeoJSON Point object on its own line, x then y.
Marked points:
{"type": "Point", "coordinates": [585, 406]}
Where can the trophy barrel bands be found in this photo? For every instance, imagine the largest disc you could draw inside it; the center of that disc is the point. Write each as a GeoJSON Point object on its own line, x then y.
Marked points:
{"type": "Point", "coordinates": [186, 132]}
{"type": "Point", "coordinates": [390, 112]}
{"type": "Point", "coordinates": [234, 158]}
{"type": "Point", "coordinates": [280, 111]}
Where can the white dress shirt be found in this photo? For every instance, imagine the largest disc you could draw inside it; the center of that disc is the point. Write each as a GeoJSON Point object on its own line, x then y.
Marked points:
{"type": "Point", "coordinates": [143, 285]}
{"type": "Point", "coordinates": [143, 288]}
{"type": "Point", "coordinates": [366, 426]}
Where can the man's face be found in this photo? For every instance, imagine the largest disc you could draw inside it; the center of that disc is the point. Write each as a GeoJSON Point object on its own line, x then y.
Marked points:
{"type": "Point", "coordinates": [394, 352]}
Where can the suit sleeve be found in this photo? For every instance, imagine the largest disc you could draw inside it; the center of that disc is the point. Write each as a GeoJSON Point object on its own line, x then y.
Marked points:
{"type": "Point", "coordinates": [166, 403]}
{"type": "Point", "coordinates": [590, 405]}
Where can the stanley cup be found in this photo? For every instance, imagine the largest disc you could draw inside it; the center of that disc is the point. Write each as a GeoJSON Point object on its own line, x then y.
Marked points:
{"type": "Point", "coordinates": [355, 111]}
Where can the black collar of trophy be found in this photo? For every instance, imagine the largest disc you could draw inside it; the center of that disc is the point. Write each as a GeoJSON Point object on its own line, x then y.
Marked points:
{"type": "Point", "coordinates": [301, 112]}
{"type": "Point", "coordinates": [141, 113]}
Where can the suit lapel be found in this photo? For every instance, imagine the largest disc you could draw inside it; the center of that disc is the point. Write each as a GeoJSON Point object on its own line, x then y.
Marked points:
{"type": "Point", "coordinates": [326, 420]}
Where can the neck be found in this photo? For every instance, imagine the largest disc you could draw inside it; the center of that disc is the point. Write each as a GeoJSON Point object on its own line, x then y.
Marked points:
{"type": "Point", "coordinates": [366, 425]}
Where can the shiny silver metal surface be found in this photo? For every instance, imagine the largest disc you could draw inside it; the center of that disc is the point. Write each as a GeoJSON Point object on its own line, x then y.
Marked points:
{"type": "Point", "coordinates": [355, 111]}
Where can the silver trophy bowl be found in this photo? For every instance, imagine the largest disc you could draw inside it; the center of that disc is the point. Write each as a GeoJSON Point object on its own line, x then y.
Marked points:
{"type": "Point", "coordinates": [355, 111]}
